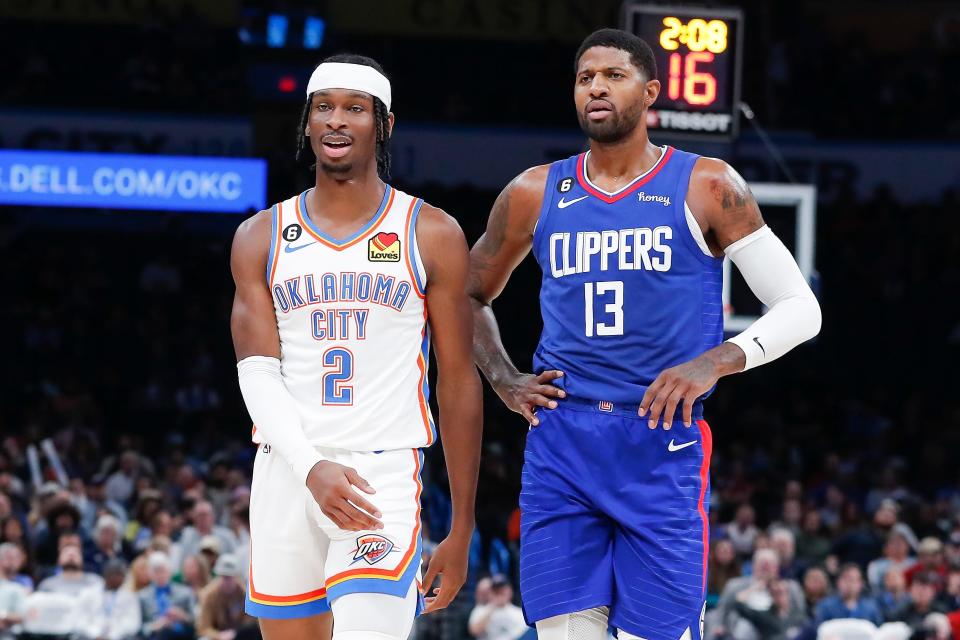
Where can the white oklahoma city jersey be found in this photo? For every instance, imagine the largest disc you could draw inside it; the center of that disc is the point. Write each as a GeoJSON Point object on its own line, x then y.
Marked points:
{"type": "Point", "coordinates": [352, 318]}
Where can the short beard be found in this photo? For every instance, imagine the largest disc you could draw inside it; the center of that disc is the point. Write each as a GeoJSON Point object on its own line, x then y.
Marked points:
{"type": "Point", "coordinates": [616, 129]}
{"type": "Point", "coordinates": [336, 169]}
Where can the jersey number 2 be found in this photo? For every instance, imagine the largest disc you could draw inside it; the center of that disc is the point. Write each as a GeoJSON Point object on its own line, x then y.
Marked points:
{"type": "Point", "coordinates": [614, 308]}
{"type": "Point", "coordinates": [335, 392]}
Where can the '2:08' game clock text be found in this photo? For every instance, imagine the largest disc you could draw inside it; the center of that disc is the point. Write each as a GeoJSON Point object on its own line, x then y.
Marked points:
{"type": "Point", "coordinates": [697, 52]}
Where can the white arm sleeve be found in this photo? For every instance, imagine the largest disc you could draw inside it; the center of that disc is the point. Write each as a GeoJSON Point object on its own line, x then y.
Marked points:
{"type": "Point", "coordinates": [273, 411]}
{"type": "Point", "coordinates": [774, 277]}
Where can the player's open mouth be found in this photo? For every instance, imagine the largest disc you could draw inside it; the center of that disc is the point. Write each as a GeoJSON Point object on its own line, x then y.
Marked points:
{"type": "Point", "coordinates": [336, 146]}
{"type": "Point", "coordinates": [599, 109]}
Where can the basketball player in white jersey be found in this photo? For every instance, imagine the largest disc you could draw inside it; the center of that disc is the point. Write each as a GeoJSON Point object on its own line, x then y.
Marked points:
{"type": "Point", "coordinates": [340, 290]}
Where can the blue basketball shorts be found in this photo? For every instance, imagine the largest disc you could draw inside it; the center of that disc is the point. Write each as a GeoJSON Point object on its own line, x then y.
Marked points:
{"type": "Point", "coordinates": [615, 514]}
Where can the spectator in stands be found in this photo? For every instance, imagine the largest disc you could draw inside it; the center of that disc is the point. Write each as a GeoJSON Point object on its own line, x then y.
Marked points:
{"type": "Point", "coordinates": [11, 530]}
{"type": "Point", "coordinates": [850, 601]}
{"type": "Point", "coordinates": [161, 524]}
{"type": "Point", "coordinates": [12, 563]}
{"type": "Point", "coordinates": [210, 549]}
{"type": "Point", "coordinates": [138, 532]}
{"type": "Point", "coordinates": [71, 579]}
{"type": "Point", "coordinates": [138, 577]}
{"type": "Point", "coordinates": [98, 503]}
{"type": "Point", "coordinates": [61, 518]}
{"type": "Point", "coordinates": [791, 517]}
{"type": "Point", "coordinates": [929, 559]}
{"type": "Point", "coordinates": [120, 484]}
{"type": "Point", "coordinates": [724, 565]}
{"type": "Point", "coordinates": [107, 543]}
{"type": "Point", "coordinates": [893, 595]}
{"type": "Point", "coordinates": [110, 612]}
{"type": "Point", "coordinates": [816, 587]}
{"type": "Point", "coordinates": [742, 531]}
{"type": "Point", "coordinates": [896, 555]}
{"type": "Point", "coordinates": [484, 591]}
{"type": "Point", "coordinates": [221, 605]}
{"type": "Point", "coordinates": [204, 525]}
{"type": "Point", "coordinates": [12, 606]}
{"type": "Point", "coordinates": [923, 593]}
{"type": "Point", "coordinates": [780, 620]}
{"type": "Point", "coordinates": [166, 607]}
{"type": "Point", "coordinates": [783, 542]}
{"type": "Point", "coordinates": [499, 619]}
{"type": "Point", "coordinates": [831, 513]}
{"type": "Point", "coordinates": [240, 525]}
{"type": "Point", "coordinates": [865, 542]}
{"type": "Point", "coordinates": [765, 570]}
{"type": "Point", "coordinates": [216, 482]}
{"type": "Point", "coordinates": [813, 546]}
{"type": "Point", "coordinates": [195, 573]}
{"type": "Point", "coordinates": [951, 591]}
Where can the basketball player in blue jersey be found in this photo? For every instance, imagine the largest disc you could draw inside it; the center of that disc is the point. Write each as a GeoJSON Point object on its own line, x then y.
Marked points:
{"type": "Point", "coordinates": [339, 291]}
{"type": "Point", "coordinates": [630, 237]}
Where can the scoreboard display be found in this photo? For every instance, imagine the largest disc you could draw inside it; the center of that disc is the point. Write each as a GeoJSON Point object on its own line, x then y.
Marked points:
{"type": "Point", "coordinates": [698, 54]}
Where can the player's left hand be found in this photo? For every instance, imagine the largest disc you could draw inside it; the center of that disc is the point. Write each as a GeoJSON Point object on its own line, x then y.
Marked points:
{"type": "Point", "coordinates": [449, 561]}
{"type": "Point", "coordinates": [683, 383]}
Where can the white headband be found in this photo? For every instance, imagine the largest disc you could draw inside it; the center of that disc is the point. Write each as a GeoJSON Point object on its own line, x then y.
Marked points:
{"type": "Point", "coordinates": [357, 77]}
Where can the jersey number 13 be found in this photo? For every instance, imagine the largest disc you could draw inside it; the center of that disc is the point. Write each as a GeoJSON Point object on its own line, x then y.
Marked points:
{"type": "Point", "coordinates": [612, 310]}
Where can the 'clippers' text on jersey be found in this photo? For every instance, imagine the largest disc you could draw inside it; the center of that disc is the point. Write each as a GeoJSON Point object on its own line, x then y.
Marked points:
{"type": "Point", "coordinates": [623, 249]}
{"type": "Point", "coordinates": [626, 290]}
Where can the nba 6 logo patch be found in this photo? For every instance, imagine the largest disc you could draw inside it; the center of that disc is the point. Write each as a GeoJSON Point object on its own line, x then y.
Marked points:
{"type": "Point", "coordinates": [384, 247]}
{"type": "Point", "coordinates": [372, 548]}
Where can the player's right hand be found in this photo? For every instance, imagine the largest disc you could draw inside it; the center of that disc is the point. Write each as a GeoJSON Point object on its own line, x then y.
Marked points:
{"type": "Point", "coordinates": [525, 392]}
{"type": "Point", "coordinates": [332, 487]}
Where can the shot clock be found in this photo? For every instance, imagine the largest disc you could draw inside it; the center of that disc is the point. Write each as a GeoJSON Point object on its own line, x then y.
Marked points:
{"type": "Point", "coordinates": [698, 54]}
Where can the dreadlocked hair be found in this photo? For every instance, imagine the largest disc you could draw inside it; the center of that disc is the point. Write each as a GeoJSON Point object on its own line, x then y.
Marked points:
{"type": "Point", "coordinates": [380, 117]}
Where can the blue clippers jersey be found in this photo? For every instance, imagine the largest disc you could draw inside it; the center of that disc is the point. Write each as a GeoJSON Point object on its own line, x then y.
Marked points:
{"type": "Point", "coordinates": [626, 290]}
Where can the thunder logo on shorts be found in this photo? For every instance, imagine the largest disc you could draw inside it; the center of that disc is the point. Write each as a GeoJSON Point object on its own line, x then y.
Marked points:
{"type": "Point", "coordinates": [372, 548]}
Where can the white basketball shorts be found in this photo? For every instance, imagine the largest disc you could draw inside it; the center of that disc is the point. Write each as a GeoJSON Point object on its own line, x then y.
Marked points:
{"type": "Point", "coordinates": [300, 561]}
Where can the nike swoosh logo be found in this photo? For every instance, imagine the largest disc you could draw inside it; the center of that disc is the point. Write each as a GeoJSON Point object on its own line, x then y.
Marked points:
{"type": "Point", "coordinates": [677, 447]}
{"type": "Point", "coordinates": [757, 340]}
{"type": "Point", "coordinates": [291, 248]}
{"type": "Point", "coordinates": [563, 204]}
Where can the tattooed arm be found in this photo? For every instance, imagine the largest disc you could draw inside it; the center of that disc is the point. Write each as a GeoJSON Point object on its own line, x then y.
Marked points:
{"type": "Point", "coordinates": [504, 244]}
{"type": "Point", "coordinates": [722, 203]}
{"type": "Point", "coordinates": [727, 214]}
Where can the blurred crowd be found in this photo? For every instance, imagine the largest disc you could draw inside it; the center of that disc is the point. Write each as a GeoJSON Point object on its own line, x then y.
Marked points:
{"type": "Point", "coordinates": [125, 552]}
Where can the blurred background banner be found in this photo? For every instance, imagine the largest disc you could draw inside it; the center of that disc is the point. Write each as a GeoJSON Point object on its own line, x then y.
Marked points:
{"type": "Point", "coordinates": [123, 181]}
